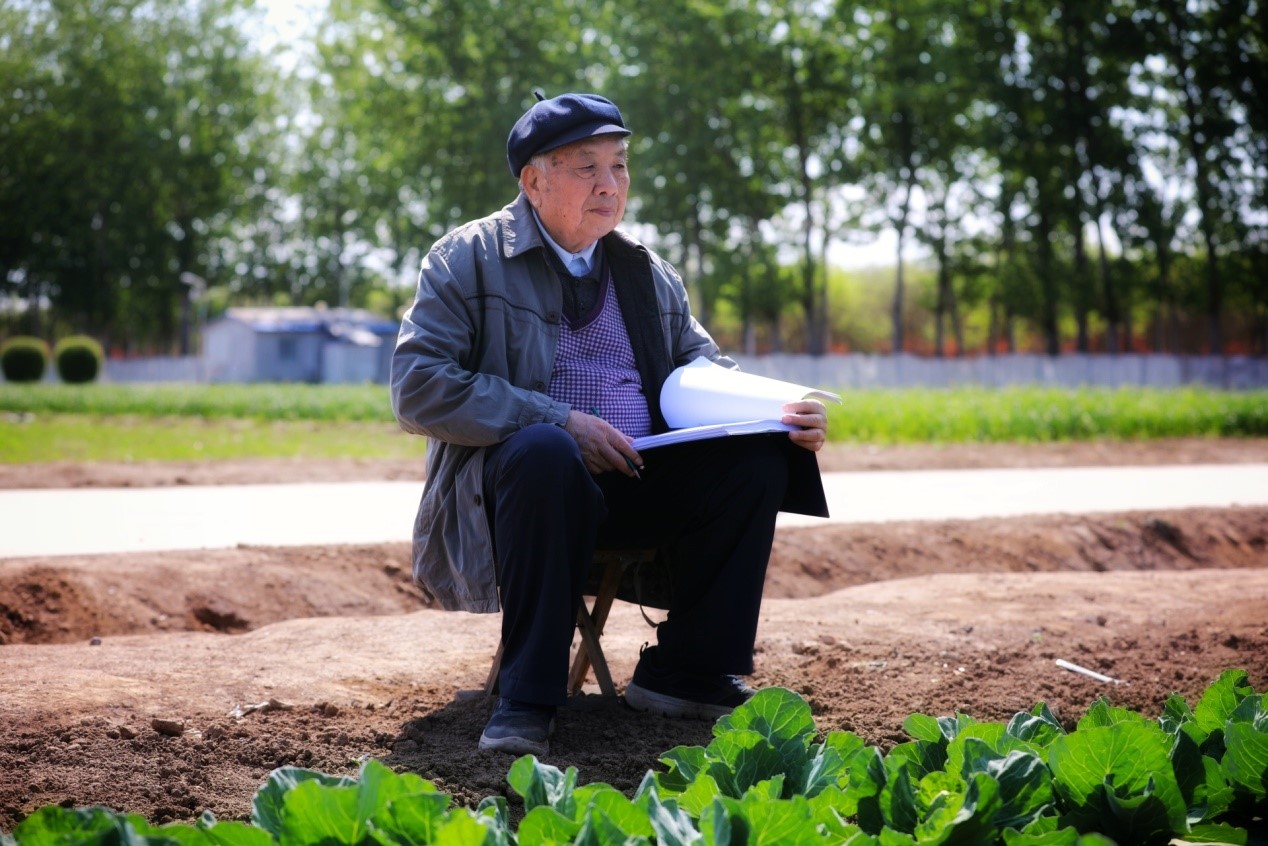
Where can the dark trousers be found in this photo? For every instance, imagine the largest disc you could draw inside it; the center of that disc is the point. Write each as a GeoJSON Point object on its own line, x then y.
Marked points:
{"type": "Point", "coordinates": [710, 504]}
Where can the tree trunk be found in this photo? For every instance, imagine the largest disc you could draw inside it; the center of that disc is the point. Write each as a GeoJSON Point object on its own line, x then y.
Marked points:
{"type": "Point", "coordinates": [1198, 144]}
{"type": "Point", "coordinates": [1081, 309]}
{"type": "Point", "coordinates": [1047, 284]}
{"type": "Point", "coordinates": [1113, 311]}
{"type": "Point", "coordinates": [1173, 326]}
{"type": "Point", "coordinates": [748, 286]}
{"type": "Point", "coordinates": [1263, 331]}
{"type": "Point", "coordinates": [992, 327]}
{"type": "Point", "coordinates": [1003, 251]}
{"type": "Point", "coordinates": [776, 335]}
{"type": "Point", "coordinates": [101, 311]}
{"type": "Point", "coordinates": [748, 321]}
{"type": "Point", "coordinates": [896, 312]}
{"type": "Point", "coordinates": [1260, 266]}
{"type": "Point", "coordinates": [35, 311]}
{"type": "Point", "coordinates": [185, 264]}
{"type": "Point", "coordinates": [1214, 286]}
{"type": "Point", "coordinates": [809, 300]}
{"type": "Point", "coordinates": [943, 300]}
{"type": "Point", "coordinates": [1008, 235]}
{"type": "Point", "coordinates": [702, 302]}
{"type": "Point", "coordinates": [1166, 296]}
{"type": "Point", "coordinates": [824, 314]}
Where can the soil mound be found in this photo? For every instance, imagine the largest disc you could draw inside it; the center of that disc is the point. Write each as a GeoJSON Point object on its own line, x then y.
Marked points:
{"type": "Point", "coordinates": [72, 599]}
{"type": "Point", "coordinates": [167, 684]}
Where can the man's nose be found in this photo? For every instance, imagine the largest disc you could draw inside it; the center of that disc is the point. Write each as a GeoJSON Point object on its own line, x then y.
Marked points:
{"type": "Point", "coordinates": [605, 183]}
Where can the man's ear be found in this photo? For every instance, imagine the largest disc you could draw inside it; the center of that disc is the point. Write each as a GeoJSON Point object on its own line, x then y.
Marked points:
{"type": "Point", "coordinates": [531, 183]}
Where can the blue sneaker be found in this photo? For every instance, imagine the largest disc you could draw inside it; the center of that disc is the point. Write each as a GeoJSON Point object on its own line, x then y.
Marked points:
{"type": "Point", "coordinates": [520, 728]}
{"type": "Point", "coordinates": [682, 694]}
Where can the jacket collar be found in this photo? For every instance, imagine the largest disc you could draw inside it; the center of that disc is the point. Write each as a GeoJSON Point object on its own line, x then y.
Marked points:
{"type": "Point", "coordinates": [520, 233]}
{"type": "Point", "coordinates": [519, 228]}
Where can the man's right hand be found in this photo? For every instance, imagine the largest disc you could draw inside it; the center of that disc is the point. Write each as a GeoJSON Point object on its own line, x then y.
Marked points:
{"type": "Point", "coordinates": [603, 447]}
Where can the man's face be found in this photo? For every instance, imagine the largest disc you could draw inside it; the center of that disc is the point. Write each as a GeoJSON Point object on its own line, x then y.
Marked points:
{"type": "Point", "coordinates": [580, 192]}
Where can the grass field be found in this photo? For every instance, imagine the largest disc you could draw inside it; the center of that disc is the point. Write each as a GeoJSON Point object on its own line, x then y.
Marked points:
{"type": "Point", "coordinates": [39, 438]}
{"type": "Point", "coordinates": [41, 423]}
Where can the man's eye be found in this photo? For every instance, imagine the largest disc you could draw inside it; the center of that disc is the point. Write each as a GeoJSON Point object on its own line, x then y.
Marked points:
{"type": "Point", "coordinates": [588, 170]}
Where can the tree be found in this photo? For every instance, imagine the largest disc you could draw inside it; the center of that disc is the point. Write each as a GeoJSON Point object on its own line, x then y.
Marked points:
{"type": "Point", "coordinates": [689, 88]}
{"type": "Point", "coordinates": [1194, 42]}
{"type": "Point", "coordinates": [743, 101]}
{"type": "Point", "coordinates": [1096, 46]}
{"type": "Point", "coordinates": [412, 103]}
{"type": "Point", "coordinates": [918, 131]}
{"type": "Point", "coordinates": [809, 80]}
{"type": "Point", "coordinates": [130, 134]}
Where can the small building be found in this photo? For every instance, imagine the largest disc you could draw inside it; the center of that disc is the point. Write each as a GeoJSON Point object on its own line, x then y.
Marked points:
{"type": "Point", "coordinates": [299, 344]}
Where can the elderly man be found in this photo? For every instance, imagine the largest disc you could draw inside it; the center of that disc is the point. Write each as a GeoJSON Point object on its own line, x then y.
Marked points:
{"type": "Point", "coordinates": [534, 352]}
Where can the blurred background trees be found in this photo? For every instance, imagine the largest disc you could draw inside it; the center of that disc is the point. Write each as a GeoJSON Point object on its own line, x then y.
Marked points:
{"type": "Point", "coordinates": [133, 137]}
{"type": "Point", "coordinates": [1075, 175]}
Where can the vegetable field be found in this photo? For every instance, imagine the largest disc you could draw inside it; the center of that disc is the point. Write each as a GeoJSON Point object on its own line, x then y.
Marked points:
{"type": "Point", "coordinates": [309, 694]}
{"type": "Point", "coordinates": [767, 777]}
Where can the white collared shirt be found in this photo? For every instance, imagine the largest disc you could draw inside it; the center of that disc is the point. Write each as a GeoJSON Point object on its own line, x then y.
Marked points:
{"type": "Point", "coordinates": [585, 256]}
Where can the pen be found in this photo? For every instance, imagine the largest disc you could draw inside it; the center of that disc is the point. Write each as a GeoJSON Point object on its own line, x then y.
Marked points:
{"type": "Point", "coordinates": [628, 461]}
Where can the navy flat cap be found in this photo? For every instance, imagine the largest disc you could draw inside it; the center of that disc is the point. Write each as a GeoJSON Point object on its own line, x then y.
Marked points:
{"type": "Point", "coordinates": [550, 124]}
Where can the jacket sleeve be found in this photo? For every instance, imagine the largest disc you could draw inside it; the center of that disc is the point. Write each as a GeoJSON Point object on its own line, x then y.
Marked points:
{"type": "Point", "coordinates": [436, 389]}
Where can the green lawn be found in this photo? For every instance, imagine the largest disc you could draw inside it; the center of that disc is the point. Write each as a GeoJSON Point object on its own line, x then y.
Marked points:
{"type": "Point", "coordinates": [262, 402]}
{"type": "Point", "coordinates": [40, 438]}
{"type": "Point", "coordinates": [42, 423]}
{"type": "Point", "coordinates": [1037, 415]}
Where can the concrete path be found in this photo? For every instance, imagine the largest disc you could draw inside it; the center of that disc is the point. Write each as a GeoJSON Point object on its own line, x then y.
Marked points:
{"type": "Point", "coordinates": [88, 521]}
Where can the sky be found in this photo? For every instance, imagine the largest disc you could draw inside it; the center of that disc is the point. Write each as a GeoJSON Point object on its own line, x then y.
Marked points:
{"type": "Point", "coordinates": [286, 22]}
{"type": "Point", "coordinates": [288, 17]}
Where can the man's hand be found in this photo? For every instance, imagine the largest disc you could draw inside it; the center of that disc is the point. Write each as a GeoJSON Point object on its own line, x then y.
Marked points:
{"type": "Point", "coordinates": [812, 417]}
{"type": "Point", "coordinates": [603, 447]}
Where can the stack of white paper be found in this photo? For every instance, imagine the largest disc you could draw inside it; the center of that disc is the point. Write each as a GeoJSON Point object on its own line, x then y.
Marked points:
{"type": "Point", "coordinates": [705, 400]}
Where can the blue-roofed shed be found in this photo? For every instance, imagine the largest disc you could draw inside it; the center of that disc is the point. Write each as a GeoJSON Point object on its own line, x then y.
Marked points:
{"type": "Point", "coordinates": [299, 344]}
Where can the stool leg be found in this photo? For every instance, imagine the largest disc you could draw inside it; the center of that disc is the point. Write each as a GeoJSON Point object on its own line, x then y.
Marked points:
{"type": "Point", "coordinates": [590, 646]}
{"type": "Point", "coordinates": [590, 623]}
{"type": "Point", "coordinates": [491, 683]}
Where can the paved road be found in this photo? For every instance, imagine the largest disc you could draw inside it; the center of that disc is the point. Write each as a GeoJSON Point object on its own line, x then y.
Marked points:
{"type": "Point", "coordinates": [87, 521]}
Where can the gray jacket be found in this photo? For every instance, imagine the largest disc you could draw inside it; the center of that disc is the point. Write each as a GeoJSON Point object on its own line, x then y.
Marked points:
{"type": "Point", "coordinates": [474, 359]}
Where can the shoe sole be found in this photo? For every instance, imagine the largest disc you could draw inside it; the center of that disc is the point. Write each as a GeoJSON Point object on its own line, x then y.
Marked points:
{"type": "Point", "coordinates": [515, 745]}
{"type": "Point", "coordinates": [649, 701]}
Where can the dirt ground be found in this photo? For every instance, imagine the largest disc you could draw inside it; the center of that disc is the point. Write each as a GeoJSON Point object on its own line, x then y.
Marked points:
{"type": "Point", "coordinates": [171, 683]}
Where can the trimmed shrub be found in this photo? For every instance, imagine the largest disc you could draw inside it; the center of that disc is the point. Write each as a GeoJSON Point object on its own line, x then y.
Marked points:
{"type": "Point", "coordinates": [79, 359]}
{"type": "Point", "coordinates": [24, 358]}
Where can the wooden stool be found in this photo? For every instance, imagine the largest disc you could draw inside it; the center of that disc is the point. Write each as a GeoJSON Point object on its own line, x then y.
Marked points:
{"type": "Point", "coordinates": [605, 580]}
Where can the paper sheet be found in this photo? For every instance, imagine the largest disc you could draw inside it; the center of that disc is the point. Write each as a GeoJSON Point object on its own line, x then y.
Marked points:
{"type": "Point", "coordinates": [706, 400]}
{"type": "Point", "coordinates": [716, 430]}
{"type": "Point", "coordinates": [703, 393]}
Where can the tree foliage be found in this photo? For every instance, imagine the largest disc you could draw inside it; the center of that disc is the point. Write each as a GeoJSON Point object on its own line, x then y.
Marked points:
{"type": "Point", "coordinates": [127, 135]}
{"type": "Point", "coordinates": [1091, 174]}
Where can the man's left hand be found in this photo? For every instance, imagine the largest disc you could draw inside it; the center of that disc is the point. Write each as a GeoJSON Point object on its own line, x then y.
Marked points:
{"type": "Point", "coordinates": [812, 418]}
